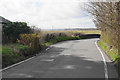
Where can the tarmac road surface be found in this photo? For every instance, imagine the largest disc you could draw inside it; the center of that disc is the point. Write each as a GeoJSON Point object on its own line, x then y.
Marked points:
{"type": "Point", "coordinates": [68, 59]}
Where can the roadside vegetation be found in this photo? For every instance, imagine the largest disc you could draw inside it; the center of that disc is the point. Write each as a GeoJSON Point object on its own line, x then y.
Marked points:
{"type": "Point", "coordinates": [106, 17]}
{"type": "Point", "coordinates": [51, 37]}
{"type": "Point", "coordinates": [59, 39]}
{"type": "Point", "coordinates": [112, 53]}
{"type": "Point", "coordinates": [12, 53]}
{"type": "Point", "coordinates": [21, 41]}
{"type": "Point", "coordinates": [70, 32]}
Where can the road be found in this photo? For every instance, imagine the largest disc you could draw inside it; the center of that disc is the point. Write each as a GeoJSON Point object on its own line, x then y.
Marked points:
{"type": "Point", "coordinates": [68, 59]}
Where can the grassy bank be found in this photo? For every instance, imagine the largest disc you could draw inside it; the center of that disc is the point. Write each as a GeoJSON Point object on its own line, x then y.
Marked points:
{"type": "Point", "coordinates": [13, 53]}
{"type": "Point", "coordinates": [59, 39]}
{"type": "Point", "coordinates": [112, 53]}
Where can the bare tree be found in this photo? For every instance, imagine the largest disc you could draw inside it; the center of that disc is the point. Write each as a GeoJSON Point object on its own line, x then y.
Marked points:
{"type": "Point", "coordinates": [105, 16]}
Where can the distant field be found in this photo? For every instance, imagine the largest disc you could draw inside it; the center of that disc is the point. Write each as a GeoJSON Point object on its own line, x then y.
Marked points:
{"type": "Point", "coordinates": [74, 31]}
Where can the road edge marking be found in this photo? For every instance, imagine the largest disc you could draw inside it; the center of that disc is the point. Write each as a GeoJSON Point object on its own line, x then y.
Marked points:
{"type": "Point", "coordinates": [16, 64]}
{"type": "Point", "coordinates": [105, 64]}
{"type": "Point", "coordinates": [19, 63]}
{"type": "Point", "coordinates": [47, 48]}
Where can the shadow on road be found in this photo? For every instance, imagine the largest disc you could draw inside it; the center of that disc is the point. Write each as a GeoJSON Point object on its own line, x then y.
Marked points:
{"type": "Point", "coordinates": [53, 65]}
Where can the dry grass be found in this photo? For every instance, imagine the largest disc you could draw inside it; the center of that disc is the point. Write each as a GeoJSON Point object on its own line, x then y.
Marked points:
{"type": "Point", "coordinates": [74, 31]}
{"type": "Point", "coordinates": [67, 32]}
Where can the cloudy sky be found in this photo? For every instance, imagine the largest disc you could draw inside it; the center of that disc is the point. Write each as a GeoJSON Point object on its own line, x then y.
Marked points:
{"type": "Point", "coordinates": [46, 14]}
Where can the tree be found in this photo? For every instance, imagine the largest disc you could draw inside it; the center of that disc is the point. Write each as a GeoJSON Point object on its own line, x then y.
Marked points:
{"type": "Point", "coordinates": [105, 16]}
{"type": "Point", "coordinates": [12, 30]}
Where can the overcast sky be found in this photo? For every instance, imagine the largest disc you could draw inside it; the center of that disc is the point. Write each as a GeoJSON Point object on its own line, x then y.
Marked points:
{"type": "Point", "coordinates": [47, 13]}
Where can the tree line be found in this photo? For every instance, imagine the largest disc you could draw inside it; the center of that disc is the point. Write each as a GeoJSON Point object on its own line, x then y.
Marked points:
{"type": "Point", "coordinates": [106, 16]}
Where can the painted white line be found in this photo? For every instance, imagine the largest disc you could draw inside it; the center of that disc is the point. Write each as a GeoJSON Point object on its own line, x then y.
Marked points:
{"type": "Point", "coordinates": [105, 64]}
{"type": "Point", "coordinates": [47, 48]}
{"type": "Point", "coordinates": [51, 46]}
{"type": "Point", "coordinates": [16, 64]}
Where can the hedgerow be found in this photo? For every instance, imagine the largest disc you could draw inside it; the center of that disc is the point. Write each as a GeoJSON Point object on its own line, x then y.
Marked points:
{"type": "Point", "coordinates": [32, 40]}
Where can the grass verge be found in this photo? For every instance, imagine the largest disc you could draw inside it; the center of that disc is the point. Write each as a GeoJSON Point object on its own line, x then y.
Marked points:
{"type": "Point", "coordinates": [13, 53]}
{"type": "Point", "coordinates": [59, 39]}
{"type": "Point", "coordinates": [112, 53]}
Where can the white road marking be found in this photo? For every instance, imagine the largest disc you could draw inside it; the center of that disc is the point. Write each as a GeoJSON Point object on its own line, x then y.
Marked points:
{"type": "Point", "coordinates": [47, 48]}
{"type": "Point", "coordinates": [105, 64]}
{"type": "Point", "coordinates": [51, 46]}
{"type": "Point", "coordinates": [16, 64]}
